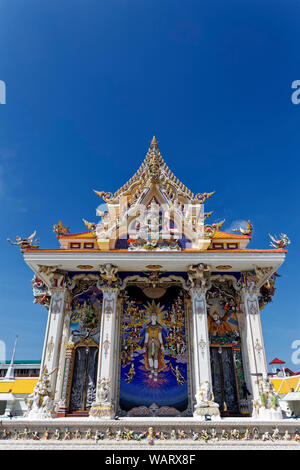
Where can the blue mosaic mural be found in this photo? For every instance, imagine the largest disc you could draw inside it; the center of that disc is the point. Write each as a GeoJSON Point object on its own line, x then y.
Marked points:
{"type": "Point", "coordinates": [154, 351]}
{"type": "Point", "coordinates": [86, 316]}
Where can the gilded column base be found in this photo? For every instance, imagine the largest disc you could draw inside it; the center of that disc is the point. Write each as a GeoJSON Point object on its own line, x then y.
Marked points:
{"type": "Point", "coordinates": [212, 410]}
{"type": "Point", "coordinates": [102, 411]}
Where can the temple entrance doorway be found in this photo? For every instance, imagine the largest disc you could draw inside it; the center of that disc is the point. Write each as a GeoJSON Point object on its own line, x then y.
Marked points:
{"type": "Point", "coordinates": [224, 380]}
{"type": "Point", "coordinates": [84, 381]}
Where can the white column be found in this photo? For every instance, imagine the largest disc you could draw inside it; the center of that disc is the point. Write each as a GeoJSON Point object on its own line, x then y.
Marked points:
{"type": "Point", "coordinates": [63, 350]}
{"type": "Point", "coordinates": [53, 337]}
{"type": "Point", "coordinates": [205, 404]}
{"type": "Point", "coordinates": [252, 338]}
{"type": "Point", "coordinates": [200, 337]}
{"type": "Point", "coordinates": [63, 403]}
{"type": "Point", "coordinates": [104, 408]}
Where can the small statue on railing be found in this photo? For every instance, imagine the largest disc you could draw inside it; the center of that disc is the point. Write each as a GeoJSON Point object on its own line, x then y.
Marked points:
{"type": "Point", "coordinates": [23, 243]}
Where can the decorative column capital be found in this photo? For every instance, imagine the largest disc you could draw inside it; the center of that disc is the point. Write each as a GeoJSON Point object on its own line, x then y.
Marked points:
{"type": "Point", "coordinates": [250, 291]}
{"type": "Point", "coordinates": [199, 275]}
{"type": "Point", "coordinates": [59, 290]}
{"type": "Point", "coordinates": [249, 296]}
{"type": "Point", "coordinates": [110, 291]}
{"type": "Point", "coordinates": [58, 279]}
{"type": "Point", "coordinates": [198, 294]}
{"type": "Point", "coordinates": [263, 274]}
{"type": "Point", "coordinates": [249, 282]}
{"type": "Point", "coordinates": [60, 300]}
{"type": "Point", "coordinates": [109, 276]}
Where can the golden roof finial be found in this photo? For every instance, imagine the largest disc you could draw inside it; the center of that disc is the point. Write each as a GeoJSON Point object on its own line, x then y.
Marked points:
{"type": "Point", "coordinates": [154, 144]}
{"type": "Point", "coordinates": [60, 229]}
{"type": "Point", "coordinates": [154, 161]}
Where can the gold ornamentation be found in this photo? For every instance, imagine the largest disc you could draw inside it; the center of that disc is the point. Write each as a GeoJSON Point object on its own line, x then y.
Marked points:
{"type": "Point", "coordinates": [245, 231]}
{"type": "Point", "coordinates": [281, 242]}
{"type": "Point", "coordinates": [211, 229]}
{"type": "Point", "coordinates": [50, 348]}
{"type": "Point", "coordinates": [24, 243]}
{"type": "Point", "coordinates": [91, 226]}
{"type": "Point", "coordinates": [109, 273]}
{"type": "Point", "coordinates": [60, 229]}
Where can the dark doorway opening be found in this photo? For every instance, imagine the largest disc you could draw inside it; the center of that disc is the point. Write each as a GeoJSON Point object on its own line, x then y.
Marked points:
{"type": "Point", "coordinates": [83, 391]}
{"type": "Point", "coordinates": [224, 381]}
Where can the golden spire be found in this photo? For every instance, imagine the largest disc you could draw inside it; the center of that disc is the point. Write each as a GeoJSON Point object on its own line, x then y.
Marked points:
{"type": "Point", "coordinates": [152, 168]}
{"type": "Point", "coordinates": [154, 144]}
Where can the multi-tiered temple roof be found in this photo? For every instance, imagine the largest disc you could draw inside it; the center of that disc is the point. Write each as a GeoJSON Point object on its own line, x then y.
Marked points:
{"type": "Point", "coordinates": [154, 219]}
{"type": "Point", "coordinates": [154, 184]}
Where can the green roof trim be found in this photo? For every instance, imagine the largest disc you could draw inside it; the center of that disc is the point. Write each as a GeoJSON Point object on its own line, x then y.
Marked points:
{"type": "Point", "coordinates": [21, 362]}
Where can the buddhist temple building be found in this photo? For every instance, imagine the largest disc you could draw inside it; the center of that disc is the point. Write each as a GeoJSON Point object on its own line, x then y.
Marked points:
{"type": "Point", "coordinates": [153, 310]}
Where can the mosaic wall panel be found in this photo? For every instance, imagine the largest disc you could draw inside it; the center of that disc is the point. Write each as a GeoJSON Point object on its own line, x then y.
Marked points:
{"type": "Point", "coordinates": [86, 316]}
{"type": "Point", "coordinates": [84, 333]}
{"type": "Point", "coordinates": [226, 361]}
{"type": "Point", "coordinates": [154, 356]}
{"type": "Point", "coordinates": [222, 318]}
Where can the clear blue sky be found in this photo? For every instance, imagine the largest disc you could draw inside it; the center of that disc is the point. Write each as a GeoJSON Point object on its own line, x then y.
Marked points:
{"type": "Point", "coordinates": [88, 84]}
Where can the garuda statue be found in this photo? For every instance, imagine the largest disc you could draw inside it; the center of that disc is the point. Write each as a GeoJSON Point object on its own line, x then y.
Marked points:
{"type": "Point", "coordinates": [282, 242]}
{"type": "Point", "coordinates": [28, 242]}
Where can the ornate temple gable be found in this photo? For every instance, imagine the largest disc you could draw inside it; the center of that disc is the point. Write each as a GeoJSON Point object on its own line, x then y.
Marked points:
{"type": "Point", "coordinates": [153, 170]}
{"type": "Point", "coordinates": [155, 211]}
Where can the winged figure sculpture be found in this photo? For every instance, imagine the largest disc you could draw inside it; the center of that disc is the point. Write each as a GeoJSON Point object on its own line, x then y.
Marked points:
{"type": "Point", "coordinates": [29, 242]}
